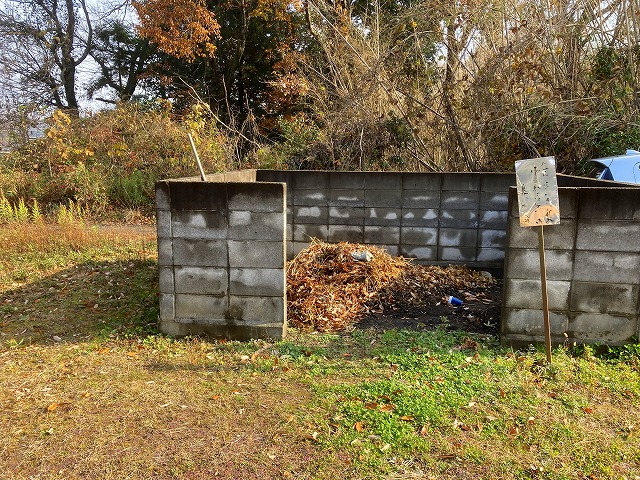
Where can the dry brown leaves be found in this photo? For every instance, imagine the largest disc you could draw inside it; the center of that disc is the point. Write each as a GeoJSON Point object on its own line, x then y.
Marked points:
{"type": "Point", "coordinates": [327, 290]}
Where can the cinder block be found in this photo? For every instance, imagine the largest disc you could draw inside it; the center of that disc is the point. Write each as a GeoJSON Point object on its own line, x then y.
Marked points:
{"type": "Point", "coordinates": [610, 204]}
{"type": "Point", "coordinates": [257, 310]}
{"type": "Point", "coordinates": [420, 217]}
{"type": "Point", "coordinates": [496, 220]}
{"type": "Point", "coordinates": [491, 255]}
{"type": "Point", "coordinates": [346, 233]}
{"type": "Point", "coordinates": [418, 236]}
{"type": "Point", "coordinates": [531, 322]}
{"type": "Point", "coordinates": [165, 252]}
{"type": "Point", "coordinates": [391, 249]}
{"type": "Point", "coordinates": [258, 282]}
{"type": "Point", "coordinates": [200, 253]}
{"type": "Point", "coordinates": [382, 216]}
{"type": "Point", "coordinates": [167, 307]}
{"type": "Point", "coordinates": [492, 238]}
{"type": "Point", "coordinates": [312, 215]}
{"type": "Point", "coordinates": [425, 182]}
{"type": "Point", "coordinates": [290, 251]}
{"type": "Point", "coordinates": [163, 223]}
{"type": "Point", "coordinates": [457, 254]}
{"type": "Point", "coordinates": [457, 237]}
{"type": "Point", "coordinates": [526, 294]}
{"type": "Point", "coordinates": [614, 236]}
{"type": "Point", "coordinates": [459, 218]}
{"type": "Point", "coordinates": [383, 198]}
{"type": "Point", "coordinates": [310, 179]}
{"type": "Point", "coordinates": [246, 175]}
{"type": "Point", "coordinates": [346, 216]}
{"type": "Point", "coordinates": [289, 232]}
{"type": "Point", "coordinates": [525, 264]}
{"type": "Point", "coordinates": [256, 254]}
{"type": "Point", "coordinates": [603, 328]}
{"type": "Point", "coordinates": [559, 237]}
{"type": "Point", "coordinates": [495, 201]}
{"type": "Point", "coordinates": [256, 197]}
{"type": "Point", "coordinates": [346, 198]}
{"type": "Point", "coordinates": [568, 198]}
{"type": "Point", "coordinates": [199, 224]}
{"type": "Point", "coordinates": [461, 181]}
{"type": "Point", "coordinates": [200, 307]}
{"type": "Point", "coordinates": [198, 196]}
{"type": "Point", "coordinates": [383, 181]}
{"type": "Point", "coordinates": [460, 200]}
{"type": "Point", "coordinates": [299, 246]}
{"type": "Point", "coordinates": [163, 201]}
{"type": "Point", "coordinates": [420, 199]}
{"type": "Point", "coordinates": [346, 180]}
{"type": "Point", "coordinates": [201, 280]}
{"type": "Point", "coordinates": [315, 197]}
{"type": "Point", "coordinates": [419, 253]}
{"type": "Point", "coordinates": [611, 267]}
{"type": "Point", "coordinates": [256, 226]}
{"type": "Point", "coordinates": [278, 176]}
{"type": "Point", "coordinates": [382, 235]}
{"type": "Point", "coordinates": [612, 299]}
{"type": "Point", "coordinates": [304, 233]}
{"type": "Point", "coordinates": [165, 280]}
{"type": "Point", "coordinates": [497, 182]}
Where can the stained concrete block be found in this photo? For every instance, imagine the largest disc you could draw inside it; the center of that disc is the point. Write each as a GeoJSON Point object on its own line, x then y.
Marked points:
{"type": "Point", "coordinates": [198, 196]}
{"type": "Point", "coordinates": [165, 252]}
{"type": "Point", "coordinates": [346, 233]}
{"type": "Point", "coordinates": [246, 175]}
{"type": "Point", "coordinates": [199, 224]}
{"type": "Point", "coordinates": [163, 201]}
{"type": "Point", "coordinates": [605, 298]}
{"type": "Point", "coordinates": [457, 237]}
{"type": "Point", "coordinates": [492, 219]}
{"type": "Point", "coordinates": [222, 328]}
{"type": "Point", "coordinates": [460, 200]}
{"type": "Point", "coordinates": [531, 322]}
{"type": "Point", "coordinates": [167, 306]}
{"type": "Point", "coordinates": [559, 237]}
{"type": "Point", "coordinates": [312, 215]}
{"type": "Point", "coordinates": [257, 310]}
{"type": "Point", "coordinates": [420, 199]}
{"type": "Point", "coordinates": [607, 267]}
{"type": "Point", "coordinates": [526, 294]}
{"type": "Point", "coordinates": [420, 217]}
{"type": "Point", "coordinates": [200, 307]}
{"type": "Point", "coordinates": [346, 198]}
{"type": "Point", "coordinates": [299, 246]}
{"type": "Point", "coordinates": [311, 179]}
{"type": "Point", "coordinates": [491, 255]}
{"type": "Point", "coordinates": [383, 181]}
{"type": "Point", "coordinates": [315, 197]}
{"type": "Point", "coordinates": [497, 182]}
{"type": "Point", "coordinates": [304, 233]}
{"type": "Point", "coordinates": [165, 280]}
{"type": "Point", "coordinates": [418, 236]}
{"type": "Point", "coordinates": [382, 235]}
{"type": "Point", "coordinates": [383, 198]}
{"type": "Point", "coordinates": [525, 264]}
{"type": "Point", "coordinates": [602, 328]}
{"type": "Point", "coordinates": [163, 223]}
{"type": "Point", "coordinates": [346, 216]}
{"type": "Point", "coordinates": [256, 254]}
{"type": "Point", "coordinates": [289, 232]}
{"type": "Point", "coordinates": [346, 180]}
{"type": "Point", "coordinates": [382, 216]}
{"type": "Point", "coordinates": [392, 250]}
{"type": "Point", "coordinates": [459, 218]}
{"type": "Point", "coordinates": [457, 254]}
{"type": "Point", "coordinates": [492, 238]}
{"type": "Point", "coordinates": [256, 226]}
{"type": "Point", "coordinates": [200, 253]}
{"type": "Point", "coordinates": [425, 182]}
{"type": "Point", "coordinates": [201, 280]}
{"type": "Point", "coordinates": [494, 201]}
{"type": "Point", "coordinates": [278, 176]}
{"type": "Point", "coordinates": [461, 182]}
{"type": "Point", "coordinates": [257, 282]}
{"type": "Point", "coordinates": [610, 204]}
{"type": "Point", "coordinates": [289, 250]}
{"type": "Point", "coordinates": [256, 197]}
{"type": "Point", "coordinates": [614, 235]}
{"type": "Point", "coordinates": [419, 253]}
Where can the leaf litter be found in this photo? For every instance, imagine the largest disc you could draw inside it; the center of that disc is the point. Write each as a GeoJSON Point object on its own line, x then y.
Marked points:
{"type": "Point", "coordinates": [330, 290]}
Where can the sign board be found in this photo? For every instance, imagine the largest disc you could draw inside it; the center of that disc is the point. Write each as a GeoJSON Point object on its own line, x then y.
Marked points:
{"type": "Point", "coordinates": [537, 192]}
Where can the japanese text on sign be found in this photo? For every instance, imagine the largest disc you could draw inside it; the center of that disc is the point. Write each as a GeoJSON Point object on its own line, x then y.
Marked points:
{"type": "Point", "coordinates": [537, 192]}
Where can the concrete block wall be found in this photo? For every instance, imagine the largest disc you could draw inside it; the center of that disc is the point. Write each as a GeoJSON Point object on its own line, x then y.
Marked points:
{"type": "Point", "coordinates": [434, 218]}
{"type": "Point", "coordinates": [593, 270]}
{"type": "Point", "coordinates": [221, 257]}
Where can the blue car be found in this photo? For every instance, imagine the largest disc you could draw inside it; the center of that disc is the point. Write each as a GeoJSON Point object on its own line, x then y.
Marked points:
{"type": "Point", "coordinates": [620, 168]}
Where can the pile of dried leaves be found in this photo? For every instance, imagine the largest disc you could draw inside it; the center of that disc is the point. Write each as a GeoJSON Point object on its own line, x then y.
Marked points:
{"type": "Point", "coordinates": [329, 290]}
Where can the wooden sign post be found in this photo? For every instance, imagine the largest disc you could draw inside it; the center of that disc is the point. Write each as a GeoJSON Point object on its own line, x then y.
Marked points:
{"type": "Point", "coordinates": [538, 206]}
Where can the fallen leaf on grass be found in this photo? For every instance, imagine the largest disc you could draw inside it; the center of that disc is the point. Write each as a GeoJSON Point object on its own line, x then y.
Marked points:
{"type": "Point", "coordinates": [215, 397]}
{"type": "Point", "coordinates": [388, 408]}
{"type": "Point", "coordinates": [446, 456]}
{"type": "Point", "coordinates": [358, 426]}
{"type": "Point", "coordinates": [407, 418]}
{"type": "Point", "coordinates": [423, 431]}
{"type": "Point", "coordinates": [59, 406]}
{"type": "Point", "coordinates": [371, 406]}
{"type": "Point", "coordinates": [587, 409]}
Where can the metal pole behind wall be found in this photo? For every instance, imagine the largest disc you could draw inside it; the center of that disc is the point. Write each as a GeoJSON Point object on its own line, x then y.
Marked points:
{"type": "Point", "coordinates": [197, 157]}
{"type": "Point", "coordinates": [545, 298]}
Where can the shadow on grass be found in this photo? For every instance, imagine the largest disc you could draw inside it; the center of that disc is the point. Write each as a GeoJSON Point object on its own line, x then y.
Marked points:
{"type": "Point", "coordinates": [91, 300]}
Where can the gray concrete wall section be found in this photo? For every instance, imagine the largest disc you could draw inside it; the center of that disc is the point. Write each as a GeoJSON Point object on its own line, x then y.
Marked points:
{"type": "Point", "coordinates": [221, 257]}
{"type": "Point", "coordinates": [593, 268]}
{"type": "Point", "coordinates": [434, 218]}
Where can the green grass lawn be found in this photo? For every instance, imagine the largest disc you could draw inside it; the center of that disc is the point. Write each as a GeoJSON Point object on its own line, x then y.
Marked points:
{"type": "Point", "coordinates": [89, 389]}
